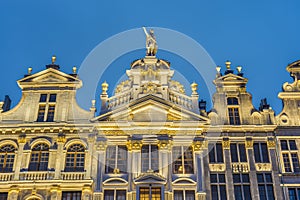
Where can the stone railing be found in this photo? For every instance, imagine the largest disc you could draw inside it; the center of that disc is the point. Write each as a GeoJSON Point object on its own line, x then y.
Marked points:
{"type": "Point", "coordinates": [72, 175]}
{"type": "Point", "coordinates": [240, 167]}
{"type": "Point", "coordinates": [36, 175]}
{"type": "Point", "coordinates": [180, 99]}
{"type": "Point", "coordinates": [6, 176]}
{"type": "Point", "coordinates": [119, 99]}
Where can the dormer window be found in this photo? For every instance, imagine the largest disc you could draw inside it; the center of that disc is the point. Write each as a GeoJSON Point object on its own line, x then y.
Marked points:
{"type": "Point", "coordinates": [46, 108]}
{"type": "Point", "coordinates": [233, 111]}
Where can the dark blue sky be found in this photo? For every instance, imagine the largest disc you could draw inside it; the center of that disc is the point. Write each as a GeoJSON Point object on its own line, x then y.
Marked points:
{"type": "Point", "coordinates": [262, 36]}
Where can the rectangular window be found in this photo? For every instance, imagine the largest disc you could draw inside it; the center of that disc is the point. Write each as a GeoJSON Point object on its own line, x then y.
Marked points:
{"type": "Point", "coordinates": [238, 152]}
{"type": "Point", "coordinates": [183, 160]}
{"type": "Point", "coordinates": [294, 193]}
{"type": "Point", "coordinates": [234, 116]}
{"type": "Point", "coordinates": [184, 195]}
{"type": "Point", "coordinates": [218, 187]}
{"type": "Point", "coordinates": [46, 108]}
{"type": "Point", "coordinates": [116, 159]}
{"type": "Point", "coordinates": [149, 158]}
{"type": "Point", "coordinates": [241, 184]}
{"type": "Point", "coordinates": [3, 195]}
{"type": "Point", "coordinates": [114, 194]}
{"type": "Point", "coordinates": [216, 153]}
{"type": "Point", "coordinates": [71, 195]}
{"type": "Point", "coordinates": [150, 193]}
{"type": "Point", "coordinates": [290, 157]}
{"type": "Point", "coordinates": [265, 186]}
{"type": "Point", "coordinates": [261, 153]}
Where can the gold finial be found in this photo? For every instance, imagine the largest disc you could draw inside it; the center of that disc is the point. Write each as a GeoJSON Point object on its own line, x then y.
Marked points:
{"type": "Point", "coordinates": [74, 69]}
{"type": "Point", "coordinates": [239, 69]}
{"type": "Point", "coordinates": [228, 63]}
{"type": "Point", "coordinates": [194, 87]}
{"type": "Point", "coordinates": [53, 59]}
{"type": "Point", "coordinates": [29, 70]}
{"type": "Point", "coordinates": [218, 68]}
{"type": "Point", "coordinates": [104, 87]}
{"type": "Point", "coordinates": [93, 103]}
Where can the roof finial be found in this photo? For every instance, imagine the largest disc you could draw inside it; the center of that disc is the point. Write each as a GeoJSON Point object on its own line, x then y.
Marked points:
{"type": "Point", "coordinates": [239, 69]}
{"type": "Point", "coordinates": [53, 59]}
{"type": "Point", "coordinates": [29, 70]}
{"type": "Point", "coordinates": [227, 63]}
{"type": "Point", "coordinates": [74, 69]}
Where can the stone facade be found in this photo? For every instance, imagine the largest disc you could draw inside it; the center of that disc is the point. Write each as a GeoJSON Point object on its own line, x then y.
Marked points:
{"type": "Point", "coordinates": [150, 141]}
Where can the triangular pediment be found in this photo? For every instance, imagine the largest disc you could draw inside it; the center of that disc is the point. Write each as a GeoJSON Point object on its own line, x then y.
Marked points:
{"type": "Point", "coordinates": [49, 76]}
{"type": "Point", "coordinates": [231, 77]}
{"type": "Point", "coordinates": [150, 109]}
{"type": "Point", "coordinates": [150, 177]}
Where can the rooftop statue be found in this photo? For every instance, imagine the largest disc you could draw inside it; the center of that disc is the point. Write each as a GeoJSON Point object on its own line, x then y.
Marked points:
{"type": "Point", "coordinates": [151, 44]}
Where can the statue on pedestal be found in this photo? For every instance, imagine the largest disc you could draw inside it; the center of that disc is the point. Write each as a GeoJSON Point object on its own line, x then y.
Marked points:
{"type": "Point", "coordinates": [151, 44]}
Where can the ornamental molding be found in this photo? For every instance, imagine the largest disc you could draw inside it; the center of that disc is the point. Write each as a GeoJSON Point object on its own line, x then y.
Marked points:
{"type": "Point", "coordinates": [263, 166]}
{"type": "Point", "coordinates": [240, 167]}
{"type": "Point", "coordinates": [134, 145]}
{"type": "Point", "coordinates": [218, 167]}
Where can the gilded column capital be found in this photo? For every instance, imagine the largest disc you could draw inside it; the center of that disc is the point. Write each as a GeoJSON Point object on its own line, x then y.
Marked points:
{"type": "Point", "coordinates": [271, 143]}
{"type": "Point", "coordinates": [134, 145]}
{"type": "Point", "coordinates": [199, 145]}
{"type": "Point", "coordinates": [22, 138]}
{"type": "Point", "coordinates": [101, 145]}
{"type": "Point", "coordinates": [61, 138]}
{"type": "Point", "coordinates": [226, 143]}
{"type": "Point", "coordinates": [249, 143]}
{"type": "Point", "coordinates": [164, 144]}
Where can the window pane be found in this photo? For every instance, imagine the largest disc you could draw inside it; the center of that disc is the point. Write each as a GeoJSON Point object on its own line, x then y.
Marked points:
{"type": "Point", "coordinates": [236, 178]}
{"type": "Point", "coordinates": [219, 153]}
{"type": "Point", "coordinates": [262, 192]}
{"type": "Point", "coordinates": [236, 116]}
{"type": "Point", "coordinates": [213, 178]}
{"type": "Point", "coordinates": [223, 193]}
{"type": "Point", "coordinates": [189, 195]}
{"type": "Point", "coordinates": [144, 194]}
{"type": "Point", "coordinates": [233, 151]}
{"type": "Point", "coordinates": [293, 145]}
{"type": "Point", "coordinates": [257, 153]}
{"type": "Point", "coordinates": [3, 196]}
{"type": "Point", "coordinates": [242, 152]}
{"type": "Point", "coordinates": [71, 195]}
{"type": "Point", "coordinates": [247, 193]}
{"type": "Point", "coordinates": [212, 153]}
{"type": "Point", "coordinates": [245, 178]}
{"type": "Point", "coordinates": [108, 195]}
{"type": "Point", "coordinates": [232, 101]}
{"type": "Point", "coordinates": [284, 145]}
{"type": "Point", "coordinates": [177, 160]}
{"type": "Point", "coordinates": [43, 98]}
{"type": "Point", "coordinates": [50, 115]}
{"type": "Point", "coordinates": [110, 159]}
{"type": "Point", "coordinates": [145, 158]}
{"type": "Point", "coordinates": [292, 194]}
{"type": "Point", "coordinates": [214, 192]}
{"type": "Point", "coordinates": [154, 158]}
{"type": "Point", "coordinates": [295, 161]}
{"type": "Point", "coordinates": [188, 161]}
{"type": "Point", "coordinates": [41, 113]}
{"type": "Point", "coordinates": [122, 159]}
{"type": "Point", "coordinates": [178, 195]}
{"type": "Point", "coordinates": [268, 177]}
{"type": "Point", "coordinates": [121, 195]}
{"type": "Point", "coordinates": [155, 194]}
{"type": "Point", "coordinates": [238, 192]}
{"type": "Point", "coordinates": [286, 162]}
{"type": "Point", "coordinates": [265, 152]}
{"type": "Point", "coordinates": [222, 178]}
{"type": "Point", "coordinates": [52, 98]}
{"type": "Point", "coordinates": [270, 192]}
{"type": "Point", "coordinates": [260, 178]}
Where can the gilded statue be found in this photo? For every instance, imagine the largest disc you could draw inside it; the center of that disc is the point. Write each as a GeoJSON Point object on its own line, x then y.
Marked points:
{"type": "Point", "coordinates": [151, 44]}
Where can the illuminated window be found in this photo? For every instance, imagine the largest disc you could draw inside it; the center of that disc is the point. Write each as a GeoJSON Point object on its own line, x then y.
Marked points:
{"type": "Point", "coordinates": [184, 194]}
{"type": "Point", "coordinates": [261, 153]}
{"type": "Point", "coordinates": [265, 186]}
{"type": "Point", "coordinates": [7, 157]}
{"type": "Point", "coordinates": [218, 187]}
{"type": "Point", "coordinates": [233, 111]}
{"type": "Point", "coordinates": [290, 156]}
{"type": "Point", "coordinates": [75, 158]}
{"type": "Point", "coordinates": [215, 153]}
{"type": "Point", "coordinates": [150, 193]}
{"type": "Point", "coordinates": [74, 195]}
{"type": "Point", "coordinates": [238, 152]}
{"type": "Point", "coordinates": [39, 157]}
{"type": "Point", "coordinates": [116, 159]}
{"type": "Point", "coordinates": [114, 194]}
{"type": "Point", "coordinates": [149, 158]}
{"type": "Point", "coordinates": [183, 162]}
{"type": "Point", "coordinates": [46, 108]}
{"type": "Point", "coordinates": [241, 184]}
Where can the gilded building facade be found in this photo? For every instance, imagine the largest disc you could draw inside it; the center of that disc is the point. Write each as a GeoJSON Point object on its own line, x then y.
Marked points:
{"type": "Point", "coordinates": [150, 140]}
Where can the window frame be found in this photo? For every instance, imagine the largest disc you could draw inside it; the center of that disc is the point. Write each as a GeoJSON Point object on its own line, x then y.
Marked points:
{"type": "Point", "coordinates": [242, 184]}
{"type": "Point", "coordinates": [115, 192]}
{"type": "Point", "coordinates": [116, 164]}
{"type": "Point", "coordinates": [150, 189]}
{"type": "Point", "coordinates": [213, 150]}
{"type": "Point", "coordinates": [183, 160]}
{"type": "Point", "coordinates": [152, 155]}
{"type": "Point", "coordinates": [45, 113]}
{"type": "Point", "coordinates": [265, 184]}
{"type": "Point", "coordinates": [218, 184]}
{"type": "Point", "coordinates": [75, 158]}
{"type": "Point", "coordinates": [287, 158]}
{"type": "Point", "coordinates": [8, 158]}
{"type": "Point", "coordinates": [71, 192]}
{"type": "Point", "coordinates": [260, 153]}
{"type": "Point", "coordinates": [184, 193]}
{"type": "Point", "coordinates": [42, 155]}
{"type": "Point", "coordinates": [296, 190]}
{"type": "Point", "coordinates": [238, 152]}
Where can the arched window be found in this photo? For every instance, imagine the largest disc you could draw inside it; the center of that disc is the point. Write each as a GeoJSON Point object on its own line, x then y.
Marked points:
{"type": "Point", "coordinates": [75, 158]}
{"type": "Point", "coordinates": [7, 156]}
{"type": "Point", "coordinates": [39, 157]}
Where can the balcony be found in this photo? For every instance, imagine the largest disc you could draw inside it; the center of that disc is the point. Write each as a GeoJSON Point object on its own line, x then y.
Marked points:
{"type": "Point", "coordinates": [36, 175]}
{"type": "Point", "coordinates": [73, 175]}
{"type": "Point", "coordinates": [240, 167]}
{"type": "Point", "coordinates": [6, 176]}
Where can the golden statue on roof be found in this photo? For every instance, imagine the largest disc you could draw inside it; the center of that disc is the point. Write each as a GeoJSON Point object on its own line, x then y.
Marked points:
{"type": "Point", "coordinates": [151, 44]}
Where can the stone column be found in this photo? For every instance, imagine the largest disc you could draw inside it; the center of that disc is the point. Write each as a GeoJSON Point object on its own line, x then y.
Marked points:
{"type": "Point", "coordinates": [100, 160]}
{"type": "Point", "coordinates": [89, 154]}
{"type": "Point", "coordinates": [55, 193]}
{"type": "Point", "coordinates": [18, 162]}
{"type": "Point", "coordinates": [275, 169]}
{"type": "Point", "coordinates": [228, 172]}
{"type": "Point", "coordinates": [13, 193]}
{"type": "Point", "coordinates": [252, 173]}
{"type": "Point", "coordinates": [61, 139]}
{"type": "Point", "coordinates": [165, 148]}
{"type": "Point", "coordinates": [135, 147]}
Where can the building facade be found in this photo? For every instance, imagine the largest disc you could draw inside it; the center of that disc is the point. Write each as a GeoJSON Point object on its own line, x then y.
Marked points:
{"type": "Point", "coordinates": [150, 140]}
